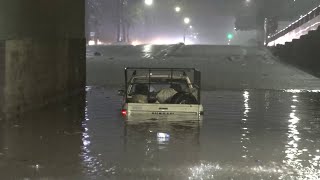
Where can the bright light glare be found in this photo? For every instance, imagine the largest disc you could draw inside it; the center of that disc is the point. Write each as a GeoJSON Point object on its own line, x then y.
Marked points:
{"type": "Point", "coordinates": [100, 42]}
{"type": "Point", "coordinates": [160, 41]}
{"type": "Point", "coordinates": [91, 43]}
{"type": "Point", "coordinates": [136, 43]}
{"type": "Point", "coordinates": [165, 40]}
{"type": "Point", "coordinates": [230, 36]}
{"type": "Point", "coordinates": [190, 27]}
{"type": "Point", "coordinates": [177, 9]}
{"type": "Point", "coordinates": [148, 2]}
{"type": "Point", "coordinates": [163, 135]}
{"type": "Point", "coordinates": [186, 20]}
{"type": "Point", "coordinates": [169, 40]}
{"type": "Point", "coordinates": [163, 138]}
{"type": "Point", "coordinates": [189, 41]}
{"type": "Point", "coordinates": [147, 48]}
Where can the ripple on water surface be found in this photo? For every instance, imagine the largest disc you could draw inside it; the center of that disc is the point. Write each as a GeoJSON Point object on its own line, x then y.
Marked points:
{"type": "Point", "coordinates": [250, 134]}
{"type": "Point", "coordinates": [245, 134]}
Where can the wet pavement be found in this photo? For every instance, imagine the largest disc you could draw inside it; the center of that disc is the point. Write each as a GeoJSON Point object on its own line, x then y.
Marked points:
{"type": "Point", "coordinates": [222, 67]}
{"type": "Point", "coordinates": [262, 121]}
{"type": "Point", "coordinates": [250, 134]}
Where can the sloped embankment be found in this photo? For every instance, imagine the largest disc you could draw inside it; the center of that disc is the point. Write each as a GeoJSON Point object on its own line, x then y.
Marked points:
{"type": "Point", "coordinates": [223, 67]}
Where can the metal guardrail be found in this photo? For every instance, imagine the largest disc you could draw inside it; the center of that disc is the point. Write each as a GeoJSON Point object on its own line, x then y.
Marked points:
{"type": "Point", "coordinates": [301, 21]}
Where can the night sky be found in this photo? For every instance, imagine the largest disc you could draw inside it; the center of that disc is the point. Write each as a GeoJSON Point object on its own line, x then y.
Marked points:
{"type": "Point", "coordinates": [212, 19]}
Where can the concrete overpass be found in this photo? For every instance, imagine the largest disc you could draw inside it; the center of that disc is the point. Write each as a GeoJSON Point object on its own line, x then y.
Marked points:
{"type": "Point", "coordinates": [42, 52]}
{"type": "Point", "coordinates": [298, 43]}
{"type": "Point", "coordinates": [300, 27]}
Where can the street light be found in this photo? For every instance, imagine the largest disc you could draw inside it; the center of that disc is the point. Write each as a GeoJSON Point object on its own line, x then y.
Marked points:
{"type": "Point", "coordinates": [247, 2]}
{"type": "Point", "coordinates": [177, 9]}
{"type": "Point", "coordinates": [190, 27]}
{"type": "Point", "coordinates": [186, 20]}
{"type": "Point", "coordinates": [148, 2]}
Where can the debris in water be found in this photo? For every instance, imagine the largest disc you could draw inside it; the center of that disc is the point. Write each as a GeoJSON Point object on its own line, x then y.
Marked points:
{"type": "Point", "coordinates": [97, 54]}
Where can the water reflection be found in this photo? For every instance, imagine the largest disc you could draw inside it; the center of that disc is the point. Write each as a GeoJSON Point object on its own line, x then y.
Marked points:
{"type": "Point", "coordinates": [147, 51]}
{"type": "Point", "coordinates": [304, 164]}
{"type": "Point", "coordinates": [302, 90]}
{"type": "Point", "coordinates": [44, 144]}
{"type": "Point", "coordinates": [205, 170]}
{"type": "Point", "coordinates": [278, 133]}
{"type": "Point", "coordinates": [179, 151]}
{"type": "Point", "coordinates": [159, 146]}
{"type": "Point", "coordinates": [93, 166]}
{"type": "Point", "coordinates": [245, 136]}
{"type": "Point", "coordinates": [163, 138]}
{"type": "Point", "coordinates": [292, 151]}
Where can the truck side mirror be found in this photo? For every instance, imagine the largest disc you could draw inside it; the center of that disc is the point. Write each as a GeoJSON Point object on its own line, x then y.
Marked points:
{"type": "Point", "coordinates": [121, 92]}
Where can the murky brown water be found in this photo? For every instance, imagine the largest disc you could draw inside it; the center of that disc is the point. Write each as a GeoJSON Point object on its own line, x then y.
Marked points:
{"type": "Point", "coordinates": [252, 134]}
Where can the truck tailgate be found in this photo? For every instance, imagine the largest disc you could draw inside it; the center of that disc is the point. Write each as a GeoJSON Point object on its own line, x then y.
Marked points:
{"type": "Point", "coordinates": [174, 112]}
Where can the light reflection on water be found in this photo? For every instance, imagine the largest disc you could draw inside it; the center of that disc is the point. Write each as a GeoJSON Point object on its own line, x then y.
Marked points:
{"type": "Point", "coordinates": [295, 153]}
{"type": "Point", "coordinates": [149, 154]}
{"type": "Point", "coordinates": [147, 50]}
{"type": "Point", "coordinates": [244, 135]}
{"type": "Point", "coordinates": [43, 144]}
{"type": "Point", "coordinates": [219, 171]}
{"type": "Point", "coordinates": [302, 90]}
{"type": "Point", "coordinates": [93, 167]}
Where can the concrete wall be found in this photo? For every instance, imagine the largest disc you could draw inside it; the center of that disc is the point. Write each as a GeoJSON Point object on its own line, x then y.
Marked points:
{"type": "Point", "coordinates": [2, 75]}
{"type": "Point", "coordinates": [303, 53]}
{"type": "Point", "coordinates": [44, 52]}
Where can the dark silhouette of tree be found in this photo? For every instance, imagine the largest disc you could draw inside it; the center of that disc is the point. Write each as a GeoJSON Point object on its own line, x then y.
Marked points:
{"type": "Point", "coordinates": [130, 13]}
{"type": "Point", "coordinates": [93, 19]}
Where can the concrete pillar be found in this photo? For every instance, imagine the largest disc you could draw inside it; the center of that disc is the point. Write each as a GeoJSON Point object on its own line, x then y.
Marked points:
{"type": "Point", "coordinates": [42, 52]}
{"type": "Point", "coordinates": [2, 76]}
{"type": "Point", "coordinates": [261, 37]}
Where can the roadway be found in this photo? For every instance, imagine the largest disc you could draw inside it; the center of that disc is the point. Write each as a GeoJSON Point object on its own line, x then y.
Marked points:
{"type": "Point", "coordinates": [223, 67]}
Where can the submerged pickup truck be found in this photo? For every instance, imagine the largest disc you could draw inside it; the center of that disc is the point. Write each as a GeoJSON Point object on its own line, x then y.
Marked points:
{"type": "Point", "coordinates": [171, 94]}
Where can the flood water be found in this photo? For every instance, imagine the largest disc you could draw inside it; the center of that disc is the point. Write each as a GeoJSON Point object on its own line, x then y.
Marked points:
{"type": "Point", "coordinates": [247, 134]}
